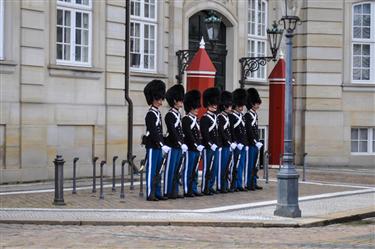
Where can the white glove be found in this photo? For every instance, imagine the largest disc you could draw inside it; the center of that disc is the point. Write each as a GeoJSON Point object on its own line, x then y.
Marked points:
{"type": "Point", "coordinates": [213, 147]}
{"type": "Point", "coordinates": [233, 146]}
{"type": "Point", "coordinates": [240, 146]}
{"type": "Point", "coordinates": [184, 148]}
{"type": "Point", "coordinates": [166, 148]}
{"type": "Point", "coordinates": [259, 145]}
{"type": "Point", "coordinates": [200, 148]}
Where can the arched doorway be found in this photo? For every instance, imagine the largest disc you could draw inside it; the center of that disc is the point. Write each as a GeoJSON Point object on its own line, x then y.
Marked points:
{"type": "Point", "coordinates": [216, 51]}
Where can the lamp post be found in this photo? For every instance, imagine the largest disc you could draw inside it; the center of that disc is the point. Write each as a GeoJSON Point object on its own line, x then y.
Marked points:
{"type": "Point", "coordinates": [252, 64]}
{"type": "Point", "coordinates": [212, 22]}
{"type": "Point", "coordinates": [287, 178]}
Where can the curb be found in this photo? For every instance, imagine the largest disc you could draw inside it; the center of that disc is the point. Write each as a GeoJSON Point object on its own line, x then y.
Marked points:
{"type": "Point", "coordinates": [334, 218]}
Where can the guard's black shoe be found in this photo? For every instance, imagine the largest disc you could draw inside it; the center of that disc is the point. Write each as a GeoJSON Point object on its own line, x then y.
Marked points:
{"type": "Point", "coordinates": [258, 187]}
{"type": "Point", "coordinates": [180, 196]}
{"type": "Point", "coordinates": [163, 198]}
{"type": "Point", "coordinates": [189, 195]}
{"type": "Point", "coordinates": [231, 190]}
{"type": "Point", "coordinates": [236, 190]}
{"type": "Point", "coordinates": [241, 189]}
{"type": "Point", "coordinates": [223, 191]}
{"type": "Point", "coordinates": [252, 188]}
{"type": "Point", "coordinates": [213, 191]}
{"type": "Point", "coordinates": [207, 192]}
{"type": "Point", "coordinates": [198, 194]}
{"type": "Point", "coordinates": [152, 199]}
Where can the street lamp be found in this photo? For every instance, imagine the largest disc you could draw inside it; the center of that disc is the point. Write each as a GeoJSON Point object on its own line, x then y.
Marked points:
{"type": "Point", "coordinates": [252, 64]}
{"type": "Point", "coordinates": [287, 178]}
{"type": "Point", "coordinates": [212, 22]}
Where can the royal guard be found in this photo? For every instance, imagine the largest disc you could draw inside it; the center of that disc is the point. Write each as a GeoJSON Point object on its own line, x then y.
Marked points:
{"type": "Point", "coordinates": [225, 142]}
{"type": "Point", "coordinates": [190, 127]}
{"type": "Point", "coordinates": [209, 131]}
{"type": "Point", "coordinates": [237, 124]}
{"type": "Point", "coordinates": [251, 122]}
{"type": "Point", "coordinates": [175, 140]}
{"type": "Point", "coordinates": [153, 140]}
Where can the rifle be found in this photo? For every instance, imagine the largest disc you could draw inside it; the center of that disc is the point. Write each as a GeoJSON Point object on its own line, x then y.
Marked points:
{"type": "Point", "coordinates": [227, 175]}
{"type": "Point", "coordinates": [254, 171]}
{"type": "Point", "coordinates": [208, 173]}
{"type": "Point", "coordinates": [177, 175]}
{"type": "Point", "coordinates": [194, 173]}
{"type": "Point", "coordinates": [234, 176]}
{"type": "Point", "coordinates": [157, 177]}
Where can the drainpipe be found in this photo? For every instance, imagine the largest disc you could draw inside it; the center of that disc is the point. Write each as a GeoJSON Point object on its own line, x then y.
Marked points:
{"type": "Point", "coordinates": [127, 97]}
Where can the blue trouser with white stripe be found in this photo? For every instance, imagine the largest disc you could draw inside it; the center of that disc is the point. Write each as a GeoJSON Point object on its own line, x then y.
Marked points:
{"type": "Point", "coordinates": [224, 157]}
{"type": "Point", "coordinates": [190, 163]}
{"type": "Point", "coordinates": [207, 154]}
{"type": "Point", "coordinates": [241, 165]}
{"type": "Point", "coordinates": [250, 167]}
{"type": "Point", "coordinates": [153, 164]}
{"type": "Point", "coordinates": [173, 160]}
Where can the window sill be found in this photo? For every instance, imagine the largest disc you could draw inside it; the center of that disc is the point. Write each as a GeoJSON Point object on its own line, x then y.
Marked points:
{"type": "Point", "coordinates": [362, 154]}
{"type": "Point", "coordinates": [7, 67]}
{"type": "Point", "coordinates": [148, 75]}
{"type": "Point", "coordinates": [75, 72]}
{"type": "Point", "coordinates": [256, 82]}
{"type": "Point", "coordinates": [358, 87]}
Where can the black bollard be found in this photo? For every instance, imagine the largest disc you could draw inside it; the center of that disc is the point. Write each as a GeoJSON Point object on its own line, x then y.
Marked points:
{"type": "Point", "coordinates": [122, 194]}
{"type": "Point", "coordinates": [59, 180]}
{"type": "Point", "coordinates": [101, 196]}
{"type": "Point", "coordinates": [94, 174]}
{"type": "Point", "coordinates": [132, 166]}
{"type": "Point", "coordinates": [304, 167]}
{"type": "Point", "coordinates": [74, 175]}
{"type": "Point", "coordinates": [114, 173]}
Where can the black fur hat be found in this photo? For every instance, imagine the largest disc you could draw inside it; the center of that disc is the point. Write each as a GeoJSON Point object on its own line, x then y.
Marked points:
{"type": "Point", "coordinates": [154, 90]}
{"type": "Point", "coordinates": [211, 96]}
{"type": "Point", "coordinates": [192, 100]}
{"type": "Point", "coordinates": [252, 98]}
{"type": "Point", "coordinates": [225, 100]}
{"type": "Point", "coordinates": [239, 97]}
{"type": "Point", "coordinates": [174, 94]}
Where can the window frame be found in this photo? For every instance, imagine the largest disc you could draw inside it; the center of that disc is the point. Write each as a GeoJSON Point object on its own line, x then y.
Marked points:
{"type": "Point", "coordinates": [361, 41]}
{"type": "Point", "coordinates": [146, 21]}
{"type": "Point", "coordinates": [75, 8]}
{"type": "Point", "coordinates": [2, 30]}
{"type": "Point", "coordinates": [370, 136]}
{"type": "Point", "coordinates": [257, 38]}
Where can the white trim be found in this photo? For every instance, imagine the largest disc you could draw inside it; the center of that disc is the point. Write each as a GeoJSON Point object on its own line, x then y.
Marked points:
{"type": "Point", "coordinates": [2, 30]}
{"type": "Point", "coordinates": [201, 76]}
{"type": "Point", "coordinates": [370, 41]}
{"type": "Point", "coordinates": [201, 72]}
{"type": "Point", "coordinates": [142, 21]}
{"type": "Point", "coordinates": [370, 149]}
{"type": "Point", "coordinates": [149, 173]}
{"type": "Point", "coordinates": [276, 79]}
{"type": "Point", "coordinates": [257, 38]}
{"type": "Point", "coordinates": [73, 9]}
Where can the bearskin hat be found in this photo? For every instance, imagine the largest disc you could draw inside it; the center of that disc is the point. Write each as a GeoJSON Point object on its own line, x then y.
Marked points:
{"type": "Point", "coordinates": [192, 100]}
{"type": "Point", "coordinates": [239, 97]}
{"type": "Point", "coordinates": [225, 100]}
{"type": "Point", "coordinates": [154, 90]}
{"type": "Point", "coordinates": [211, 96]}
{"type": "Point", "coordinates": [174, 94]}
{"type": "Point", "coordinates": [252, 98]}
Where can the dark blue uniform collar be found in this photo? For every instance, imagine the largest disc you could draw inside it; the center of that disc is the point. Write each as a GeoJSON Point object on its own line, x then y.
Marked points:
{"type": "Point", "coordinates": [154, 108]}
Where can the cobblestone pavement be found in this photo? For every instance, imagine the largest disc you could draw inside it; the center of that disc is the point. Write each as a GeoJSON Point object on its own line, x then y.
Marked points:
{"type": "Point", "coordinates": [86, 199]}
{"type": "Point", "coordinates": [343, 236]}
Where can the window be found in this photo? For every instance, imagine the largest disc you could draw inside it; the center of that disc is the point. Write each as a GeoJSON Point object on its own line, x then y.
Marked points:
{"type": "Point", "coordinates": [363, 140]}
{"type": "Point", "coordinates": [143, 28]}
{"type": "Point", "coordinates": [2, 26]}
{"type": "Point", "coordinates": [263, 135]}
{"type": "Point", "coordinates": [363, 43]}
{"type": "Point", "coordinates": [73, 32]}
{"type": "Point", "coordinates": [257, 34]}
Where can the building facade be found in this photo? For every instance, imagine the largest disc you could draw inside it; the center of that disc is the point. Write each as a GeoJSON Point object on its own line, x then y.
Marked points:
{"type": "Point", "coordinates": [62, 75]}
